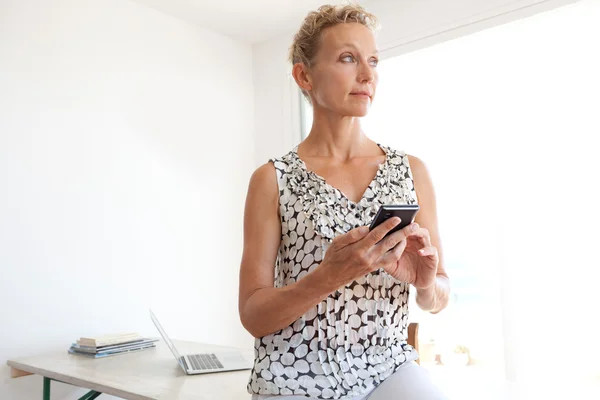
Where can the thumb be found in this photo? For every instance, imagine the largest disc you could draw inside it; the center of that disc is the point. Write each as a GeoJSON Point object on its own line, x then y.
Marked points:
{"type": "Point", "coordinates": [352, 236]}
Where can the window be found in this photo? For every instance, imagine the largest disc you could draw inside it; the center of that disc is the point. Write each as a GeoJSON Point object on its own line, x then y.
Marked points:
{"type": "Point", "coordinates": [504, 119]}
{"type": "Point", "coordinates": [306, 117]}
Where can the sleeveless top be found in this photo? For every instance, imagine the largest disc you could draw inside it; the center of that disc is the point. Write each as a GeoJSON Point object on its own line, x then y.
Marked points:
{"type": "Point", "coordinates": [356, 337]}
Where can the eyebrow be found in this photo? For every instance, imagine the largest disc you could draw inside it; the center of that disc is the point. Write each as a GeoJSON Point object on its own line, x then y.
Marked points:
{"type": "Point", "coordinates": [376, 51]}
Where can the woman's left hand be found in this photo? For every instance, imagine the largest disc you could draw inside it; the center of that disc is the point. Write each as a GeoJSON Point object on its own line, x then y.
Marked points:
{"type": "Point", "coordinates": [419, 262]}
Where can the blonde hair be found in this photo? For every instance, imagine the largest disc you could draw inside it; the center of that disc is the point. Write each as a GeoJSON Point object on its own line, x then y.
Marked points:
{"type": "Point", "coordinates": [306, 41]}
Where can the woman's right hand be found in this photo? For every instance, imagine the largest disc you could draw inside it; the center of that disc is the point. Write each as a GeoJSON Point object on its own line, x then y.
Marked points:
{"type": "Point", "coordinates": [360, 251]}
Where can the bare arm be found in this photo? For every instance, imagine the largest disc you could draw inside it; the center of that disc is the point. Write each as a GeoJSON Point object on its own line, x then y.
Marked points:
{"type": "Point", "coordinates": [264, 309]}
{"type": "Point", "coordinates": [435, 298]}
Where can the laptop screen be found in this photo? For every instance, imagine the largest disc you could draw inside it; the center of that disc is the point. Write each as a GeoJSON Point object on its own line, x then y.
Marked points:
{"type": "Point", "coordinates": [166, 338]}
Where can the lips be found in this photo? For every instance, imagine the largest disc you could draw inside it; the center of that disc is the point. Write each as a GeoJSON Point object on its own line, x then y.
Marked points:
{"type": "Point", "coordinates": [361, 93]}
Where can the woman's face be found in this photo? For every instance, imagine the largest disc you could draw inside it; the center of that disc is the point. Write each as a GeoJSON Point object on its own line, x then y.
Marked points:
{"type": "Point", "coordinates": [344, 72]}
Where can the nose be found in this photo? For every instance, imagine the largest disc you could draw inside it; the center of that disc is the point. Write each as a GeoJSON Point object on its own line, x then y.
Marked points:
{"type": "Point", "coordinates": [365, 72]}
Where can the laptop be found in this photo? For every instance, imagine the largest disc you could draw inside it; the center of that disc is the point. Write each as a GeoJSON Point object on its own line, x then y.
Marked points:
{"type": "Point", "coordinates": [205, 363]}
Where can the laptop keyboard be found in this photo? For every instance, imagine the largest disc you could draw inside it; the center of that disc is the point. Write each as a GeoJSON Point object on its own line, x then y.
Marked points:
{"type": "Point", "coordinates": [204, 361]}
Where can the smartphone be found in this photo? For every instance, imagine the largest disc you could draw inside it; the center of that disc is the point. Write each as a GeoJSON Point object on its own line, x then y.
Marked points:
{"type": "Point", "coordinates": [406, 213]}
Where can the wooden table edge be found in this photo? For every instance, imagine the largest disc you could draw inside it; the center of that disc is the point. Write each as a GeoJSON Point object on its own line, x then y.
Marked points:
{"type": "Point", "coordinates": [19, 370]}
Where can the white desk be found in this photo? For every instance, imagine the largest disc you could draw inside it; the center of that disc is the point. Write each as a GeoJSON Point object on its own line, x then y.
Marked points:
{"type": "Point", "coordinates": [151, 374]}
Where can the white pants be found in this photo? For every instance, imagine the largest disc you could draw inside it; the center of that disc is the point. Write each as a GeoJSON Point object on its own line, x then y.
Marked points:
{"type": "Point", "coordinates": [409, 382]}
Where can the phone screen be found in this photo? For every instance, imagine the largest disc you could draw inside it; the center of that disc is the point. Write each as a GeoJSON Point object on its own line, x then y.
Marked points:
{"type": "Point", "coordinates": [406, 213]}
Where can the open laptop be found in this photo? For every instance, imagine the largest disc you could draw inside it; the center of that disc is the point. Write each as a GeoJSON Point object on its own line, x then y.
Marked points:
{"type": "Point", "coordinates": [193, 364]}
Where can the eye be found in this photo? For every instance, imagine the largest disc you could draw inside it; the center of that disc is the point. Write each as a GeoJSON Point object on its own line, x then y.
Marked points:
{"type": "Point", "coordinates": [348, 57]}
{"type": "Point", "coordinates": [374, 62]}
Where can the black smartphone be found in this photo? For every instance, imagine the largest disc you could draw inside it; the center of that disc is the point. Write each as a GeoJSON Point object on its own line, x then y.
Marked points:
{"type": "Point", "coordinates": [406, 213]}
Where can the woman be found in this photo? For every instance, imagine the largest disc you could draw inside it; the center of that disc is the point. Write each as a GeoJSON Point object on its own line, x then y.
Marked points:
{"type": "Point", "coordinates": [325, 298]}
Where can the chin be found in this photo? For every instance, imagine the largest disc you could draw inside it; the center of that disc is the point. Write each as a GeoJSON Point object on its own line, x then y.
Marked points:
{"type": "Point", "coordinates": [352, 110]}
{"type": "Point", "coordinates": [357, 111]}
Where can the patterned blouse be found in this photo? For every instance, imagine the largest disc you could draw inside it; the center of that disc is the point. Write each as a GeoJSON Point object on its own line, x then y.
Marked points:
{"type": "Point", "coordinates": [356, 337]}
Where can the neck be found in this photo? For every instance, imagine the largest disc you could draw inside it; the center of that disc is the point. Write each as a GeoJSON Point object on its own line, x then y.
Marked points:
{"type": "Point", "coordinates": [335, 136]}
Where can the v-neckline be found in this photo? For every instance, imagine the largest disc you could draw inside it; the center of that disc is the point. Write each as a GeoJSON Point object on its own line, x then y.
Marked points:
{"type": "Point", "coordinates": [318, 177]}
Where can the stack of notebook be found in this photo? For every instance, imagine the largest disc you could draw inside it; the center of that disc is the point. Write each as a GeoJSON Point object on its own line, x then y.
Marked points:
{"type": "Point", "coordinates": [111, 345]}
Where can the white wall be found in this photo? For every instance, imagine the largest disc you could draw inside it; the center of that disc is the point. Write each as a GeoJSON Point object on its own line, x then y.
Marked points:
{"type": "Point", "coordinates": [270, 66]}
{"type": "Point", "coordinates": [126, 144]}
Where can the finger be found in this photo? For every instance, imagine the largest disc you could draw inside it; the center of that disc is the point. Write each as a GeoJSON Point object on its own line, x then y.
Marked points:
{"type": "Point", "coordinates": [421, 233]}
{"type": "Point", "coordinates": [377, 234]}
{"type": "Point", "coordinates": [399, 249]}
{"type": "Point", "coordinates": [389, 242]}
{"type": "Point", "coordinates": [352, 236]}
{"type": "Point", "coordinates": [428, 251]}
{"type": "Point", "coordinates": [392, 256]}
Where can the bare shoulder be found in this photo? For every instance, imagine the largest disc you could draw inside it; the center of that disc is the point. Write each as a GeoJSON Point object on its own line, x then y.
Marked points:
{"type": "Point", "coordinates": [264, 177]}
{"type": "Point", "coordinates": [417, 165]}
{"type": "Point", "coordinates": [424, 189]}
{"type": "Point", "coordinates": [263, 185]}
{"type": "Point", "coordinates": [421, 177]}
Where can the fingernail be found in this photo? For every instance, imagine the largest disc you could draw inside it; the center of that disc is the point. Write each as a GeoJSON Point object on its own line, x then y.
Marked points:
{"type": "Point", "coordinates": [415, 227]}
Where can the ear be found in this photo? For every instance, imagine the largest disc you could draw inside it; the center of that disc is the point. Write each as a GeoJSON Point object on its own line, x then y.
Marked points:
{"type": "Point", "coordinates": [302, 76]}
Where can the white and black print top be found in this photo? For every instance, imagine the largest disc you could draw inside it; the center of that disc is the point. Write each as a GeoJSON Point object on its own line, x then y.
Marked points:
{"type": "Point", "coordinates": [356, 337]}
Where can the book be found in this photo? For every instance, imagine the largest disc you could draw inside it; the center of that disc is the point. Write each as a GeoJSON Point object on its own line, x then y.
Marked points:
{"type": "Point", "coordinates": [111, 339]}
{"type": "Point", "coordinates": [110, 353]}
{"type": "Point", "coordinates": [123, 346]}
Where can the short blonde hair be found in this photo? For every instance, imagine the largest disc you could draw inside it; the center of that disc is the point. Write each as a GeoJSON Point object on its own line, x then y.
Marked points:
{"type": "Point", "coordinates": [306, 41]}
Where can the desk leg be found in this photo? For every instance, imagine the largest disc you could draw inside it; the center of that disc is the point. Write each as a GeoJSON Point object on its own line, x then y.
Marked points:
{"type": "Point", "coordinates": [91, 395]}
{"type": "Point", "coordinates": [46, 388]}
